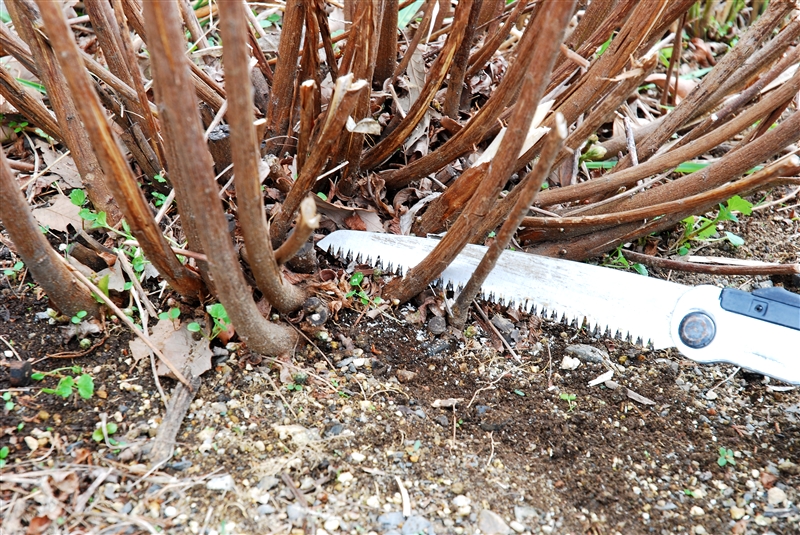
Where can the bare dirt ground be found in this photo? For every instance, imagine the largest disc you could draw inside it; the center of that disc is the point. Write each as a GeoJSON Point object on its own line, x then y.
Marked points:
{"type": "Point", "coordinates": [387, 428]}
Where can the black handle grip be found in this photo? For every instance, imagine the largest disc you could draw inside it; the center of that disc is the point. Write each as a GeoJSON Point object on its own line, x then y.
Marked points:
{"type": "Point", "coordinates": [773, 305]}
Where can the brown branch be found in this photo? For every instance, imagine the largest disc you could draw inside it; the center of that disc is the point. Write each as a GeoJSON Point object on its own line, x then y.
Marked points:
{"type": "Point", "coordinates": [194, 166]}
{"type": "Point", "coordinates": [478, 60]}
{"type": "Point", "coordinates": [421, 31]}
{"type": "Point", "coordinates": [419, 108]}
{"type": "Point", "coordinates": [612, 182]}
{"type": "Point", "coordinates": [555, 140]}
{"type": "Point", "coordinates": [26, 20]}
{"type": "Point", "coordinates": [31, 108]}
{"type": "Point", "coordinates": [245, 155]}
{"type": "Point", "coordinates": [386, 59]}
{"type": "Point", "coordinates": [123, 184]}
{"type": "Point", "coordinates": [346, 94]}
{"type": "Point", "coordinates": [458, 67]}
{"type": "Point", "coordinates": [282, 96]}
{"type": "Point", "coordinates": [478, 126]}
{"type": "Point", "coordinates": [693, 267]}
{"type": "Point", "coordinates": [63, 290]}
{"type": "Point", "coordinates": [309, 104]}
{"type": "Point", "coordinates": [548, 41]}
{"type": "Point", "coordinates": [706, 92]}
{"type": "Point", "coordinates": [307, 223]}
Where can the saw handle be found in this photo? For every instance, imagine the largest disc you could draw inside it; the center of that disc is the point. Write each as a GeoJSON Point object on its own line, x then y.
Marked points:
{"type": "Point", "coordinates": [773, 305]}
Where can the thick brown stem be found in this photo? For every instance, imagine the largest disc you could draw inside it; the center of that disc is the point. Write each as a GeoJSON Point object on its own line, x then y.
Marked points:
{"type": "Point", "coordinates": [26, 19]}
{"type": "Point", "coordinates": [438, 71]}
{"type": "Point", "coordinates": [182, 124]}
{"type": "Point", "coordinates": [126, 189]}
{"type": "Point", "coordinates": [386, 59]}
{"type": "Point", "coordinates": [494, 39]}
{"type": "Point", "coordinates": [535, 79]}
{"type": "Point", "coordinates": [66, 293]}
{"type": "Point", "coordinates": [282, 96]}
{"type": "Point", "coordinates": [307, 223]}
{"type": "Point", "coordinates": [554, 142]}
{"type": "Point", "coordinates": [245, 154]}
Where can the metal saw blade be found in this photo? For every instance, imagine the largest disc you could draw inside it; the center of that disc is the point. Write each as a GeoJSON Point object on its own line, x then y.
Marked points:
{"type": "Point", "coordinates": [626, 304]}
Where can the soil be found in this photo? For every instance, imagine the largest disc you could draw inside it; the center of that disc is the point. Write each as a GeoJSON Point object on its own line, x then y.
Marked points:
{"type": "Point", "coordinates": [387, 428]}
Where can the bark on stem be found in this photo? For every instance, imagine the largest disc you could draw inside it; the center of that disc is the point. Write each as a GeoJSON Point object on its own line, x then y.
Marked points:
{"type": "Point", "coordinates": [245, 155]}
{"type": "Point", "coordinates": [181, 122]}
{"type": "Point", "coordinates": [67, 295]}
{"type": "Point", "coordinates": [528, 190]}
{"type": "Point", "coordinates": [537, 73]}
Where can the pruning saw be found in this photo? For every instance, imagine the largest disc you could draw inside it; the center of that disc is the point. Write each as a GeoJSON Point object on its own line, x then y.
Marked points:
{"type": "Point", "coordinates": [758, 330]}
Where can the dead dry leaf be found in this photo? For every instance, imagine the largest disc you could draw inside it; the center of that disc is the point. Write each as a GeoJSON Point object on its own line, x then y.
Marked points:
{"type": "Point", "coordinates": [179, 346]}
{"type": "Point", "coordinates": [684, 86]}
{"type": "Point", "coordinates": [59, 214]}
{"type": "Point", "coordinates": [339, 214]}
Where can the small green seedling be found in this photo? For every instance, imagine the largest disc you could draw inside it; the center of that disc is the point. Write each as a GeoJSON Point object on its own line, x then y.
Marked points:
{"type": "Point", "coordinates": [617, 260]}
{"type": "Point", "coordinates": [3, 455]}
{"type": "Point", "coordinates": [14, 270]}
{"type": "Point", "coordinates": [726, 457]}
{"type": "Point", "coordinates": [299, 380]}
{"type": "Point", "coordinates": [8, 403]}
{"type": "Point", "coordinates": [77, 318]}
{"type": "Point", "coordinates": [172, 314]}
{"type": "Point", "coordinates": [220, 317]}
{"type": "Point", "coordinates": [82, 382]}
{"type": "Point", "coordinates": [701, 228]}
{"type": "Point", "coordinates": [570, 399]}
{"type": "Point", "coordinates": [355, 282]}
{"type": "Point", "coordinates": [111, 428]}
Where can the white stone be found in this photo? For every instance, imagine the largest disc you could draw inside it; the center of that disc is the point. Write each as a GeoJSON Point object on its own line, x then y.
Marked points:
{"type": "Point", "coordinates": [32, 443]}
{"type": "Point", "coordinates": [373, 501]}
{"type": "Point", "coordinates": [776, 496]}
{"type": "Point", "coordinates": [516, 526]}
{"type": "Point", "coordinates": [221, 483]}
{"type": "Point", "coordinates": [569, 363]}
{"type": "Point", "coordinates": [699, 530]}
{"type": "Point", "coordinates": [170, 511]}
{"type": "Point", "coordinates": [345, 478]}
{"type": "Point", "coordinates": [737, 513]}
{"type": "Point", "coordinates": [696, 511]}
{"type": "Point", "coordinates": [357, 457]}
{"type": "Point", "coordinates": [461, 501]}
{"type": "Point", "coordinates": [332, 524]}
{"type": "Point", "coordinates": [490, 522]}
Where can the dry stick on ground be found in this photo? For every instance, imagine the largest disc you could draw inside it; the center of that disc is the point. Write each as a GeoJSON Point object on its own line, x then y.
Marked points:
{"type": "Point", "coordinates": [705, 93]}
{"type": "Point", "coordinates": [345, 97]}
{"type": "Point", "coordinates": [181, 123]}
{"type": "Point", "coordinates": [26, 18]}
{"type": "Point", "coordinates": [282, 96]}
{"type": "Point", "coordinates": [246, 154]}
{"type": "Point", "coordinates": [122, 182]}
{"type": "Point", "coordinates": [528, 190]}
{"type": "Point", "coordinates": [419, 108]}
{"type": "Point", "coordinates": [66, 294]}
{"type": "Point", "coordinates": [458, 67]}
{"type": "Point", "coordinates": [599, 115]}
{"type": "Point", "coordinates": [692, 267]}
{"type": "Point", "coordinates": [478, 126]}
{"type": "Point", "coordinates": [177, 407]}
{"type": "Point", "coordinates": [615, 180]}
{"type": "Point", "coordinates": [548, 41]}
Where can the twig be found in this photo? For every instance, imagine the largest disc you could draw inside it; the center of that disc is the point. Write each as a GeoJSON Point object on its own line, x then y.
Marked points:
{"type": "Point", "coordinates": [782, 200]}
{"type": "Point", "coordinates": [11, 348]}
{"type": "Point", "coordinates": [278, 391]}
{"type": "Point", "coordinates": [121, 315]}
{"type": "Point", "coordinates": [126, 267]}
{"type": "Point", "coordinates": [491, 453]}
{"type": "Point", "coordinates": [630, 141]}
{"type": "Point", "coordinates": [679, 265]}
{"type": "Point", "coordinates": [404, 496]}
{"type": "Point", "coordinates": [502, 339]}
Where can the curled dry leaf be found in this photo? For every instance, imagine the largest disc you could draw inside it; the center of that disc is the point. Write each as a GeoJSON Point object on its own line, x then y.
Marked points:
{"type": "Point", "coordinates": [684, 86]}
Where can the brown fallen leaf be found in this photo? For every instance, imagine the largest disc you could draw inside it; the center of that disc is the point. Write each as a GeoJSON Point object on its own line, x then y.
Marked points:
{"type": "Point", "coordinates": [684, 86]}
{"type": "Point", "coordinates": [179, 346]}
{"type": "Point", "coordinates": [59, 214]}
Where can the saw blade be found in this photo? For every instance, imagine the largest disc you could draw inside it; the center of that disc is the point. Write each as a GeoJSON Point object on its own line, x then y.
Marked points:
{"type": "Point", "coordinates": [624, 304]}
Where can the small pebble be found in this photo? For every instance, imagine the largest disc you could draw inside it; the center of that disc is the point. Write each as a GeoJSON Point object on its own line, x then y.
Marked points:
{"type": "Point", "coordinates": [737, 513]}
{"type": "Point", "coordinates": [696, 511]}
{"type": "Point", "coordinates": [437, 325]}
{"type": "Point", "coordinates": [221, 483]}
{"type": "Point", "coordinates": [32, 443]}
{"type": "Point", "coordinates": [332, 524]}
{"type": "Point", "coordinates": [775, 496]}
{"type": "Point", "coordinates": [357, 457]}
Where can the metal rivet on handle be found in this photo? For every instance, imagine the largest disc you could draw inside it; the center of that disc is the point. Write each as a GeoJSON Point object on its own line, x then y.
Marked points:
{"type": "Point", "coordinates": [697, 330]}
